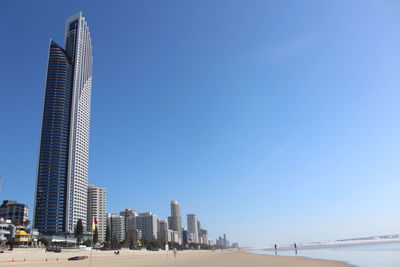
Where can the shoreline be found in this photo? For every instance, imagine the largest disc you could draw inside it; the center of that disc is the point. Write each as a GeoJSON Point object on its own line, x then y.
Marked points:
{"type": "Point", "coordinates": [327, 245]}
{"type": "Point", "coordinates": [197, 258]}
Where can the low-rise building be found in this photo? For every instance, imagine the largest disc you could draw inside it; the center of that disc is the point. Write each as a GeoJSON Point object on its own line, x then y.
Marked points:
{"type": "Point", "coordinates": [5, 230]}
{"type": "Point", "coordinates": [16, 212]}
{"type": "Point", "coordinates": [22, 238]}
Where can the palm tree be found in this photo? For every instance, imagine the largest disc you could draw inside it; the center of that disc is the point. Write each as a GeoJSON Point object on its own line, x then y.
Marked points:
{"type": "Point", "coordinates": [26, 223]}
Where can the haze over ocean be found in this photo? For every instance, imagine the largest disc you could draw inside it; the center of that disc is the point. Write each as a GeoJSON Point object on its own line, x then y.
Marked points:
{"type": "Point", "coordinates": [274, 122]}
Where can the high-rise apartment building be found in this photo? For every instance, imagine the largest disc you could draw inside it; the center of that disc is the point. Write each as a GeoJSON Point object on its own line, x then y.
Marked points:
{"type": "Point", "coordinates": [203, 236]}
{"type": "Point", "coordinates": [16, 212]}
{"type": "Point", "coordinates": [117, 226]}
{"type": "Point", "coordinates": [175, 220]}
{"type": "Point", "coordinates": [148, 224]}
{"type": "Point", "coordinates": [130, 223]}
{"type": "Point", "coordinates": [192, 227]}
{"type": "Point", "coordinates": [62, 177]}
{"type": "Point", "coordinates": [96, 208]}
{"type": "Point", "coordinates": [186, 237]}
{"type": "Point", "coordinates": [163, 231]}
{"type": "Point", "coordinates": [198, 230]}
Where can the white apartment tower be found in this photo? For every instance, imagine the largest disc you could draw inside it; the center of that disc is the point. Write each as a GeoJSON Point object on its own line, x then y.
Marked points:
{"type": "Point", "coordinates": [175, 220]}
{"type": "Point", "coordinates": [192, 227]}
{"type": "Point", "coordinates": [117, 226]}
{"type": "Point", "coordinates": [78, 41]}
{"type": "Point", "coordinates": [163, 231]}
{"type": "Point", "coordinates": [130, 223]}
{"type": "Point", "coordinates": [148, 224]}
{"type": "Point", "coordinates": [96, 208]}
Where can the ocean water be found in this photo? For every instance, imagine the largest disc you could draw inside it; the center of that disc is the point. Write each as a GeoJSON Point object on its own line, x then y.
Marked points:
{"type": "Point", "coordinates": [373, 255]}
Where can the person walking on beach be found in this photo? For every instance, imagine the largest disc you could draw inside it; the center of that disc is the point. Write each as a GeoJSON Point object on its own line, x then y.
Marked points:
{"type": "Point", "coordinates": [175, 252]}
{"type": "Point", "coordinates": [295, 248]}
{"type": "Point", "coordinates": [276, 249]}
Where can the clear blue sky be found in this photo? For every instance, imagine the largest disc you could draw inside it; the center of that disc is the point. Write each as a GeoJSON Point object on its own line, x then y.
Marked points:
{"type": "Point", "coordinates": [274, 121]}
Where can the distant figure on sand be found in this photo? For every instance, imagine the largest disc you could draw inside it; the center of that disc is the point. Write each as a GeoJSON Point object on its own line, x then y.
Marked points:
{"type": "Point", "coordinates": [295, 248]}
{"type": "Point", "coordinates": [276, 249]}
{"type": "Point", "coordinates": [175, 252]}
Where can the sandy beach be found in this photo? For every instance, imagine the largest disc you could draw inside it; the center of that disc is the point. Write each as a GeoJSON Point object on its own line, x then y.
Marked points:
{"type": "Point", "coordinates": [34, 257]}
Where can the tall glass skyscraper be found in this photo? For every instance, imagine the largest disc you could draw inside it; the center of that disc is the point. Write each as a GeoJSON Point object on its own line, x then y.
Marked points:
{"type": "Point", "coordinates": [62, 178]}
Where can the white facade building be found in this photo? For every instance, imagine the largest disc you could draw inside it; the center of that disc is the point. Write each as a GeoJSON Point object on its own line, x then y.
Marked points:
{"type": "Point", "coordinates": [130, 223]}
{"type": "Point", "coordinates": [5, 230]}
{"type": "Point", "coordinates": [148, 224]}
{"type": "Point", "coordinates": [96, 208]}
{"type": "Point", "coordinates": [77, 31]}
{"type": "Point", "coordinates": [175, 236]}
{"type": "Point", "coordinates": [130, 219]}
{"type": "Point", "coordinates": [163, 231]}
{"type": "Point", "coordinates": [175, 220]}
{"type": "Point", "coordinates": [117, 226]}
{"type": "Point", "coordinates": [192, 227]}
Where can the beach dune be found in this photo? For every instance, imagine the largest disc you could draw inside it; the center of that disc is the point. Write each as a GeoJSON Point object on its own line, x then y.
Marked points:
{"type": "Point", "coordinates": [127, 258]}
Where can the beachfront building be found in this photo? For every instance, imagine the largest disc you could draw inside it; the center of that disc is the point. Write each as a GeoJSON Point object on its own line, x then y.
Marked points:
{"type": "Point", "coordinates": [203, 236]}
{"type": "Point", "coordinates": [96, 208]}
{"type": "Point", "coordinates": [174, 236]}
{"type": "Point", "coordinates": [175, 220]}
{"type": "Point", "coordinates": [223, 241]}
{"type": "Point", "coordinates": [62, 177]}
{"type": "Point", "coordinates": [186, 237]}
{"type": "Point", "coordinates": [148, 224]}
{"type": "Point", "coordinates": [192, 227]}
{"type": "Point", "coordinates": [6, 229]}
{"type": "Point", "coordinates": [14, 211]}
{"type": "Point", "coordinates": [130, 224]}
{"type": "Point", "coordinates": [133, 237]}
{"type": "Point", "coordinates": [198, 230]}
{"type": "Point", "coordinates": [164, 231]}
{"type": "Point", "coordinates": [117, 226]}
{"type": "Point", "coordinates": [21, 238]}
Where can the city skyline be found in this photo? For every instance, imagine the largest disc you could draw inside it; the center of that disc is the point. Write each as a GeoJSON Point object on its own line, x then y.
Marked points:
{"type": "Point", "coordinates": [127, 222]}
{"type": "Point", "coordinates": [286, 113]}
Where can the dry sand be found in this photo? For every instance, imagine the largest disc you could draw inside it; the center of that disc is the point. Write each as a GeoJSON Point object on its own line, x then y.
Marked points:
{"type": "Point", "coordinates": [34, 257]}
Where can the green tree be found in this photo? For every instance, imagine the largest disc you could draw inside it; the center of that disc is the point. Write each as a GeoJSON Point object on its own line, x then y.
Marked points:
{"type": "Point", "coordinates": [131, 244]}
{"type": "Point", "coordinates": [108, 234]}
{"type": "Point", "coordinates": [16, 222]}
{"type": "Point", "coordinates": [87, 243]}
{"type": "Point", "coordinates": [26, 223]}
{"type": "Point", "coordinates": [114, 243]}
{"type": "Point", "coordinates": [79, 231]}
{"type": "Point", "coordinates": [95, 236]}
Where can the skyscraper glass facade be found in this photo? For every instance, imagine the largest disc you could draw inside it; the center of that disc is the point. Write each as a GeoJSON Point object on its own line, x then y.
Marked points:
{"type": "Point", "coordinates": [61, 191]}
